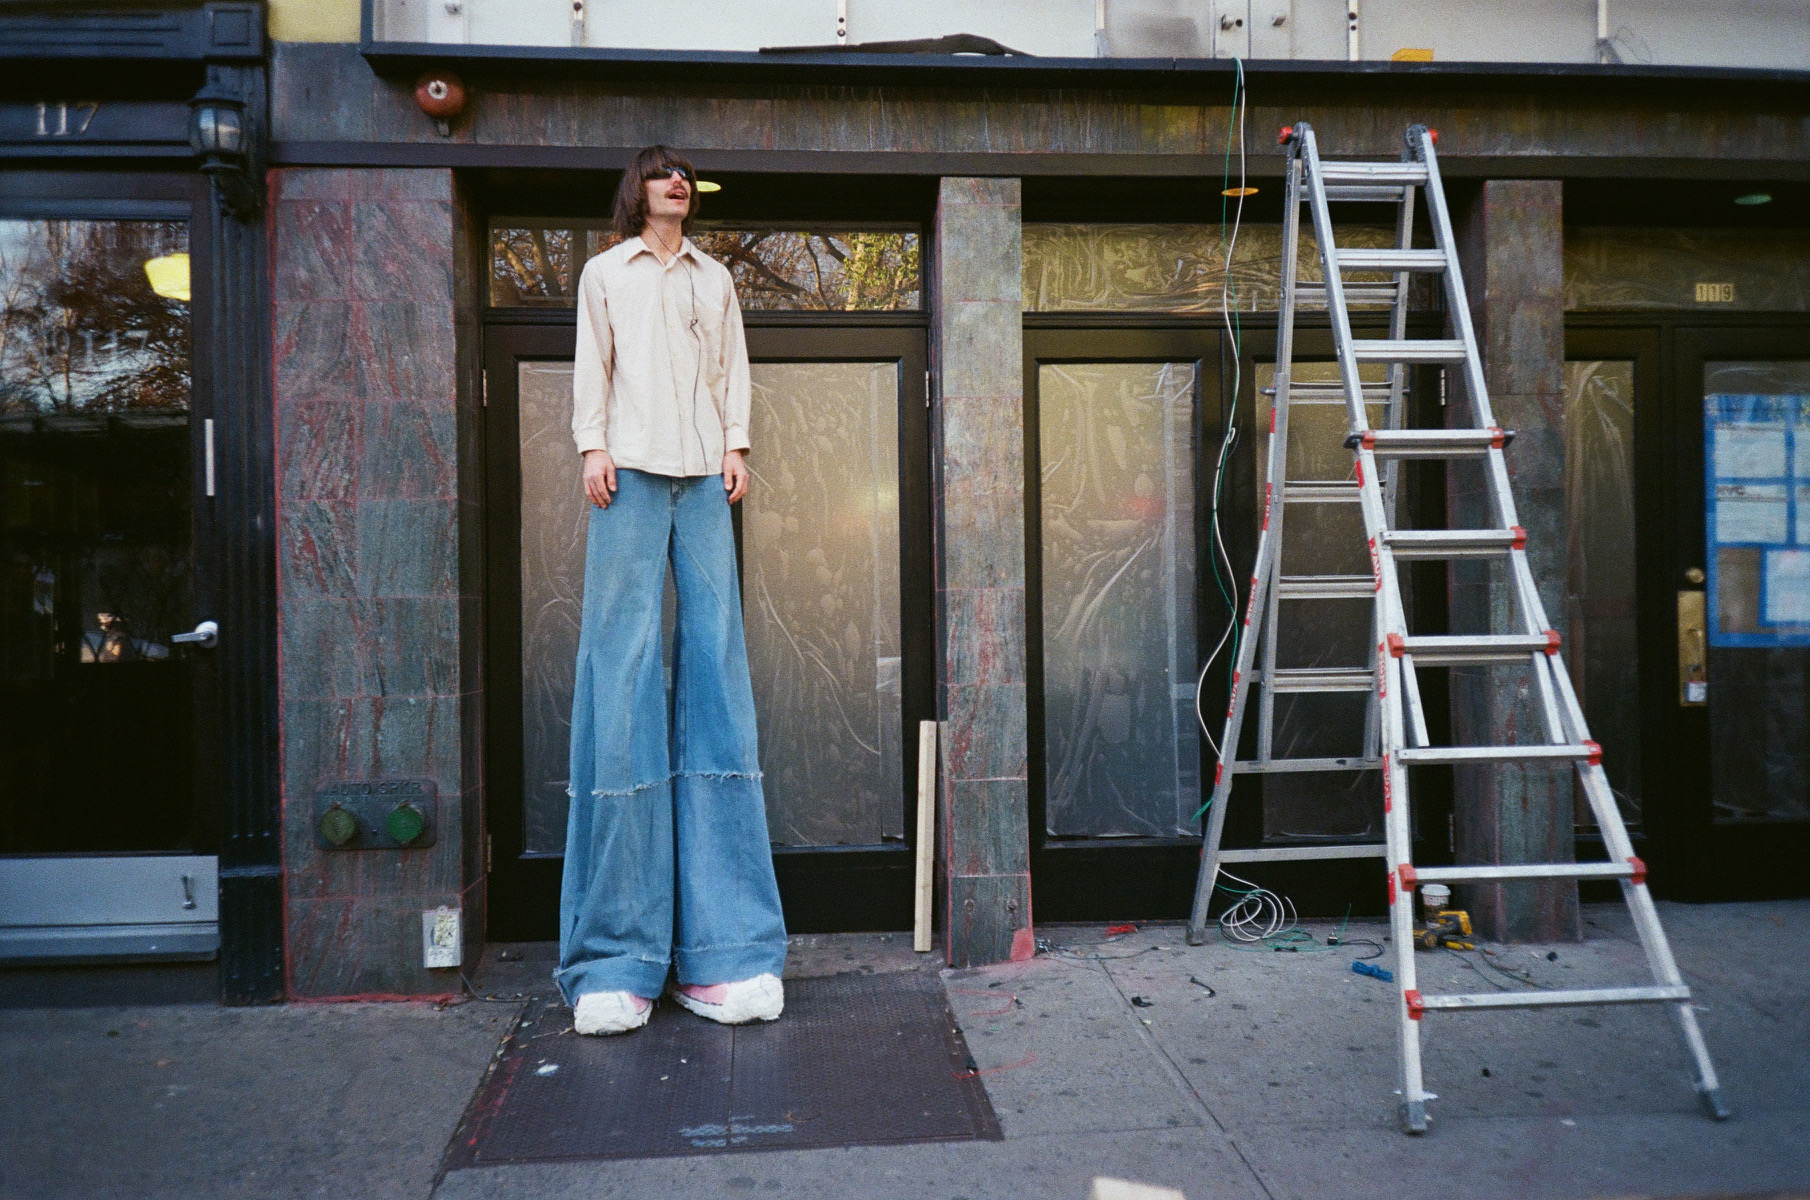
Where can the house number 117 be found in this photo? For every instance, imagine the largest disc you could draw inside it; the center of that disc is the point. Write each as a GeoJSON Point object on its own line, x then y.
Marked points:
{"type": "Point", "coordinates": [53, 119]}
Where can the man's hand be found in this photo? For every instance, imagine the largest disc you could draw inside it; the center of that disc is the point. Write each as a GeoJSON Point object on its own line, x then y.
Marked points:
{"type": "Point", "coordinates": [599, 477]}
{"type": "Point", "coordinates": [735, 474]}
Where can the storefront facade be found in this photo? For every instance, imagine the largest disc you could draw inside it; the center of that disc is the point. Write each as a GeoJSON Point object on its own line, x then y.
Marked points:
{"type": "Point", "coordinates": [999, 334]}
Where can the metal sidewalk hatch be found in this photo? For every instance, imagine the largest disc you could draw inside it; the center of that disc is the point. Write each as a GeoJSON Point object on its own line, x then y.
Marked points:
{"type": "Point", "coordinates": [1395, 733]}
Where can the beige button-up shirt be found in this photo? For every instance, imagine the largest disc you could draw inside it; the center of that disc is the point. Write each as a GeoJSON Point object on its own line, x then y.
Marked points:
{"type": "Point", "coordinates": [661, 375]}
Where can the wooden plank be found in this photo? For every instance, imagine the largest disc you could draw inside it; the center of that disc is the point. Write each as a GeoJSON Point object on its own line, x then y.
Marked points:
{"type": "Point", "coordinates": [926, 840]}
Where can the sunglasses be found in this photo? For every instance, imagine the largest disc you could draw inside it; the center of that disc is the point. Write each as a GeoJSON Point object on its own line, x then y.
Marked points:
{"type": "Point", "coordinates": [654, 173]}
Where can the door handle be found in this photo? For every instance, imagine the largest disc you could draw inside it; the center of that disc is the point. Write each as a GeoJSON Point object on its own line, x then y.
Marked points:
{"type": "Point", "coordinates": [1693, 649]}
{"type": "Point", "coordinates": [205, 635]}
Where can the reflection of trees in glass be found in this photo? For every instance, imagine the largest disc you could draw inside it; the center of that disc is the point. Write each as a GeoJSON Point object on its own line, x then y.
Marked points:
{"type": "Point", "coordinates": [81, 330]}
{"type": "Point", "coordinates": [772, 268]}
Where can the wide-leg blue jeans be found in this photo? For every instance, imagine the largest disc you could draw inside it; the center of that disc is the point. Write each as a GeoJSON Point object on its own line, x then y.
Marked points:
{"type": "Point", "coordinates": [667, 857]}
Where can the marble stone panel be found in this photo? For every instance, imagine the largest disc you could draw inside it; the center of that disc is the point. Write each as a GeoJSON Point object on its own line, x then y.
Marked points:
{"type": "Point", "coordinates": [974, 935]}
{"type": "Point", "coordinates": [985, 732]}
{"type": "Point", "coordinates": [319, 450]}
{"type": "Point", "coordinates": [314, 352]}
{"type": "Point", "coordinates": [981, 347]}
{"type": "Point", "coordinates": [316, 544]}
{"type": "Point", "coordinates": [354, 947]}
{"type": "Point", "coordinates": [402, 250]}
{"type": "Point", "coordinates": [409, 451]}
{"type": "Point", "coordinates": [369, 738]}
{"type": "Point", "coordinates": [313, 253]}
{"type": "Point", "coordinates": [985, 636]}
{"type": "Point", "coordinates": [402, 183]}
{"type": "Point", "coordinates": [989, 831]}
{"type": "Point", "coordinates": [310, 183]}
{"type": "Point", "coordinates": [324, 649]}
{"type": "Point", "coordinates": [407, 548]}
{"type": "Point", "coordinates": [403, 350]}
{"type": "Point", "coordinates": [980, 256]}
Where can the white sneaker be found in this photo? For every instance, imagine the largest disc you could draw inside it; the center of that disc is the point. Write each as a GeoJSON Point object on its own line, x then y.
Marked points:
{"type": "Point", "coordinates": [610, 1012]}
{"type": "Point", "coordinates": [762, 998]}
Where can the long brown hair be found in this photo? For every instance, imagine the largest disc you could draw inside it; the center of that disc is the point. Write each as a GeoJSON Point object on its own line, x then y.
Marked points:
{"type": "Point", "coordinates": [630, 215]}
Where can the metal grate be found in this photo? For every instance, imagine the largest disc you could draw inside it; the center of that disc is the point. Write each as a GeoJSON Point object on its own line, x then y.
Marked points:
{"type": "Point", "coordinates": [855, 1060]}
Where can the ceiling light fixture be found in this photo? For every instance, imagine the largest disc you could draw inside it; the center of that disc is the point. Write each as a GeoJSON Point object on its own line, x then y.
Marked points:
{"type": "Point", "coordinates": [169, 276]}
{"type": "Point", "coordinates": [1238, 192]}
{"type": "Point", "coordinates": [1754, 198]}
{"type": "Point", "coordinates": [705, 185]}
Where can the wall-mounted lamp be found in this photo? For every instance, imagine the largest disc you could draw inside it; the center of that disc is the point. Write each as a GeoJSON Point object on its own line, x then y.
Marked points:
{"type": "Point", "coordinates": [218, 136]}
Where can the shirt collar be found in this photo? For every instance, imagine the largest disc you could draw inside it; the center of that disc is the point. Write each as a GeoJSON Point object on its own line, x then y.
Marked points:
{"type": "Point", "coordinates": [686, 249]}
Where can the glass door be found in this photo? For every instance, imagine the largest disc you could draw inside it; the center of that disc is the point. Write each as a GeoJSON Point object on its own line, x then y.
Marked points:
{"type": "Point", "coordinates": [105, 673]}
{"type": "Point", "coordinates": [835, 524]}
{"type": "Point", "coordinates": [1741, 824]}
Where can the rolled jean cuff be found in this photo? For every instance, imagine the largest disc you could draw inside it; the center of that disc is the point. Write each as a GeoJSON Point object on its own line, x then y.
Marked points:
{"type": "Point", "coordinates": [729, 964]}
{"type": "Point", "coordinates": [640, 976]}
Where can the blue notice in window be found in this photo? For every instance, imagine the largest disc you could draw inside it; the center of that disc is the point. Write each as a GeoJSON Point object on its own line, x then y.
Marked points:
{"type": "Point", "coordinates": [1757, 468]}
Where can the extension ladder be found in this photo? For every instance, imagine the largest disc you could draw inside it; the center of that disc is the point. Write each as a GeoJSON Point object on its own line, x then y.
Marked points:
{"type": "Point", "coordinates": [1395, 734]}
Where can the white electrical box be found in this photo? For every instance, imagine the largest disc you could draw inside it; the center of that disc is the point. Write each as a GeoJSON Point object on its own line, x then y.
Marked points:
{"type": "Point", "coordinates": [440, 941]}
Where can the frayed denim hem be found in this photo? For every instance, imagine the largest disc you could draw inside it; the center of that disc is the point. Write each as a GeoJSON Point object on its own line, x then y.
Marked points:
{"type": "Point", "coordinates": [601, 793]}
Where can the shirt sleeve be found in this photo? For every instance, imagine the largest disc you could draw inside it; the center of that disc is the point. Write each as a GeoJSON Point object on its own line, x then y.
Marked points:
{"type": "Point", "coordinates": [592, 365]}
{"type": "Point", "coordinates": [737, 392]}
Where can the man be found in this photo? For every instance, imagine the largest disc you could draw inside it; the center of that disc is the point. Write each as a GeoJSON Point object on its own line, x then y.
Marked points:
{"type": "Point", "coordinates": [667, 857]}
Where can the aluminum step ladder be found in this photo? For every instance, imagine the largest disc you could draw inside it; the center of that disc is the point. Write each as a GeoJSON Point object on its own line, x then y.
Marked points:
{"type": "Point", "coordinates": [1395, 735]}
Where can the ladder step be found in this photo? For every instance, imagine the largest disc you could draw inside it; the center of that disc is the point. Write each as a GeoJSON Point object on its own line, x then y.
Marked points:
{"type": "Point", "coordinates": [1364, 193]}
{"type": "Point", "coordinates": [1453, 543]}
{"type": "Point", "coordinates": [1420, 756]}
{"type": "Point", "coordinates": [1318, 389]}
{"type": "Point", "coordinates": [1429, 443]}
{"type": "Point", "coordinates": [1464, 650]}
{"type": "Point", "coordinates": [1313, 295]}
{"type": "Point", "coordinates": [1287, 766]}
{"type": "Point", "coordinates": [1323, 679]}
{"type": "Point", "coordinates": [1418, 1004]}
{"type": "Point", "coordinates": [1305, 853]}
{"type": "Point", "coordinates": [1484, 873]}
{"type": "Point", "coordinates": [1337, 491]}
{"type": "Point", "coordinates": [1326, 587]}
{"type": "Point", "coordinates": [1385, 259]}
{"type": "Point", "coordinates": [1406, 350]}
{"type": "Point", "coordinates": [1394, 173]}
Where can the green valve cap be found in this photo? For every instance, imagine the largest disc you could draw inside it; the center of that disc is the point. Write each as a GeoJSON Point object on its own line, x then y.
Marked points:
{"type": "Point", "coordinates": [405, 824]}
{"type": "Point", "coordinates": [338, 826]}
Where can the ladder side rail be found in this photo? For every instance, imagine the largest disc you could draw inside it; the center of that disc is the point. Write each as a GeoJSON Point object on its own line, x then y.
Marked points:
{"type": "Point", "coordinates": [1542, 667]}
{"type": "Point", "coordinates": [1399, 839]}
{"type": "Point", "coordinates": [1277, 459]}
{"type": "Point", "coordinates": [1458, 307]}
{"type": "Point", "coordinates": [1396, 416]}
{"type": "Point", "coordinates": [1336, 310]}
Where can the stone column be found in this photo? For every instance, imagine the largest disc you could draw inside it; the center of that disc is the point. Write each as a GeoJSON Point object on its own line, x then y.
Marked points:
{"type": "Point", "coordinates": [978, 348]}
{"type": "Point", "coordinates": [369, 572]}
{"type": "Point", "coordinates": [1511, 242]}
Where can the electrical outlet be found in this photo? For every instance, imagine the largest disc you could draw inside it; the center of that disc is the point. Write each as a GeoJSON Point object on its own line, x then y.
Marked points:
{"type": "Point", "coordinates": [440, 941]}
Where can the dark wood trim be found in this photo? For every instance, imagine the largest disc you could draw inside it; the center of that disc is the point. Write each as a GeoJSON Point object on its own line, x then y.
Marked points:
{"type": "Point", "coordinates": [1262, 165]}
{"type": "Point", "coordinates": [216, 31]}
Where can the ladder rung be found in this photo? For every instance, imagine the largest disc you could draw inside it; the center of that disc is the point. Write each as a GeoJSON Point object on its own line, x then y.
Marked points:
{"type": "Point", "coordinates": [1372, 193]}
{"type": "Point", "coordinates": [1314, 294]}
{"type": "Point", "coordinates": [1326, 587]}
{"type": "Point", "coordinates": [1484, 873]}
{"type": "Point", "coordinates": [1304, 853]}
{"type": "Point", "coordinates": [1323, 679]}
{"type": "Point", "coordinates": [1407, 350]}
{"type": "Point", "coordinates": [1429, 443]}
{"type": "Point", "coordinates": [1453, 543]}
{"type": "Point", "coordinates": [1283, 766]}
{"type": "Point", "coordinates": [1625, 995]}
{"type": "Point", "coordinates": [1396, 173]}
{"type": "Point", "coordinates": [1388, 259]}
{"type": "Point", "coordinates": [1420, 756]}
{"type": "Point", "coordinates": [1462, 650]}
{"type": "Point", "coordinates": [1332, 491]}
{"type": "Point", "coordinates": [1373, 393]}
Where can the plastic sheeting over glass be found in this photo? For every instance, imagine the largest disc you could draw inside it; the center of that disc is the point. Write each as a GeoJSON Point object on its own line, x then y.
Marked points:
{"type": "Point", "coordinates": [555, 516]}
{"type": "Point", "coordinates": [1601, 643]}
{"type": "Point", "coordinates": [1319, 539]}
{"type": "Point", "coordinates": [1171, 268]}
{"type": "Point", "coordinates": [1757, 450]}
{"type": "Point", "coordinates": [820, 597]}
{"type": "Point", "coordinates": [1121, 747]}
{"type": "Point", "coordinates": [1712, 270]}
{"type": "Point", "coordinates": [536, 264]}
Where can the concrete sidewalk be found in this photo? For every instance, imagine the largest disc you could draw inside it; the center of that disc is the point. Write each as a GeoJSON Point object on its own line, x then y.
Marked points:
{"type": "Point", "coordinates": [1106, 1059]}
